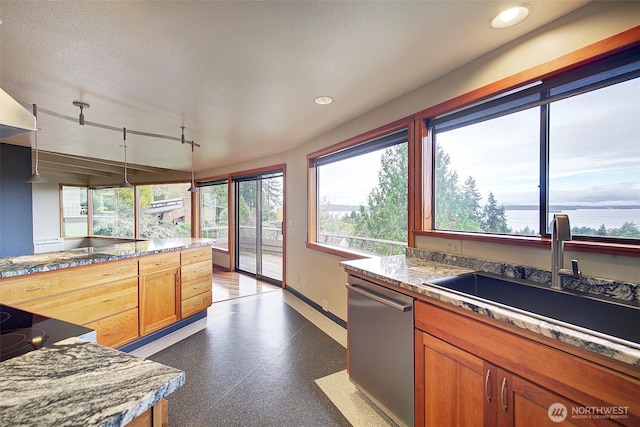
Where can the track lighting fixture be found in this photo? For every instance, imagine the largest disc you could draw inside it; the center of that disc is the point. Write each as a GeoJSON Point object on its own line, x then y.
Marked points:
{"type": "Point", "coordinates": [193, 188]}
{"type": "Point", "coordinates": [82, 106]}
{"type": "Point", "coordinates": [36, 178]}
{"type": "Point", "coordinates": [125, 183]}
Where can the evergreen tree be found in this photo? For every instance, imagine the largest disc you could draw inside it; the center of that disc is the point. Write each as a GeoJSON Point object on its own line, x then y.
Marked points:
{"type": "Point", "coordinates": [448, 194]}
{"type": "Point", "coordinates": [386, 214]}
{"type": "Point", "coordinates": [470, 214]}
{"type": "Point", "coordinates": [493, 217]}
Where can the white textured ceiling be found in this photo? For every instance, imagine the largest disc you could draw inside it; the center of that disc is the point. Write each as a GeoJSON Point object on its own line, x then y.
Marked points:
{"type": "Point", "coordinates": [240, 76]}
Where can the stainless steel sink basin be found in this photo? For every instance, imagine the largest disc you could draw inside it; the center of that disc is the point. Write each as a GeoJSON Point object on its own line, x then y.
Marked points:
{"type": "Point", "coordinates": [600, 315]}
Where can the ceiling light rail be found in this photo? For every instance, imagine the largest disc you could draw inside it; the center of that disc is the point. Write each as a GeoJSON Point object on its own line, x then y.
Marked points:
{"type": "Point", "coordinates": [81, 120]}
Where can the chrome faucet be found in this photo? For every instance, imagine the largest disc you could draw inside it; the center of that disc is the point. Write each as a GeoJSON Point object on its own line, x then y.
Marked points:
{"type": "Point", "coordinates": [561, 232]}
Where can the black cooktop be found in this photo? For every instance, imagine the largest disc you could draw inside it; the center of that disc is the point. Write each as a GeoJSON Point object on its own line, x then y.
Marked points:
{"type": "Point", "coordinates": [22, 331]}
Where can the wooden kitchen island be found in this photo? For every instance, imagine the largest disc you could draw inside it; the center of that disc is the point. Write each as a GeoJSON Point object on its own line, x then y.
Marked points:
{"type": "Point", "coordinates": [124, 291]}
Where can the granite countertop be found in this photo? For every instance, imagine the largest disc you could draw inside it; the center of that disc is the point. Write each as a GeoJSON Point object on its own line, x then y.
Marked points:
{"type": "Point", "coordinates": [75, 383]}
{"type": "Point", "coordinates": [409, 273]}
{"type": "Point", "coordinates": [37, 263]}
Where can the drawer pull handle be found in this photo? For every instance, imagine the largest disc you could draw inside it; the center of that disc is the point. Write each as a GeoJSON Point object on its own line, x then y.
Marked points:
{"type": "Point", "coordinates": [114, 273]}
{"type": "Point", "coordinates": [38, 288]}
{"type": "Point", "coordinates": [115, 331]}
{"type": "Point", "coordinates": [111, 299]}
{"type": "Point", "coordinates": [502, 395]}
{"type": "Point", "coordinates": [161, 263]}
{"type": "Point", "coordinates": [195, 304]}
{"type": "Point", "coordinates": [197, 287]}
{"type": "Point", "coordinates": [486, 386]}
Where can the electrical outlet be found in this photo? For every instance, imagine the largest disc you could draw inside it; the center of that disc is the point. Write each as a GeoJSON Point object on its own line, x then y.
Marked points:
{"type": "Point", "coordinates": [305, 283]}
{"type": "Point", "coordinates": [290, 222]}
{"type": "Point", "coordinates": [298, 278]}
{"type": "Point", "coordinates": [325, 305]}
{"type": "Point", "coordinates": [453, 247]}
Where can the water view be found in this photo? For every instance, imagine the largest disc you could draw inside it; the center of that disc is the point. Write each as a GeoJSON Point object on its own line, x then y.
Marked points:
{"type": "Point", "coordinates": [593, 218]}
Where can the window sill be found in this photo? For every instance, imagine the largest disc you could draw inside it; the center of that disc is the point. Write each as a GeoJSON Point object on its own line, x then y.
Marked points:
{"type": "Point", "coordinates": [539, 242]}
{"type": "Point", "coordinates": [342, 253]}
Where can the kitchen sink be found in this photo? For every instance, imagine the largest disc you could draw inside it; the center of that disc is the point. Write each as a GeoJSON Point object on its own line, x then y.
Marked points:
{"type": "Point", "coordinates": [600, 315]}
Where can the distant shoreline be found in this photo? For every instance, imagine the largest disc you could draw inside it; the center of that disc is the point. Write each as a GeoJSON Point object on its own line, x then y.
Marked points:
{"type": "Point", "coordinates": [558, 208]}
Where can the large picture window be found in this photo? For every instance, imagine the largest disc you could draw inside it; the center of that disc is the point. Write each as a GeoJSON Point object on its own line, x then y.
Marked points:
{"type": "Point", "coordinates": [568, 144]}
{"type": "Point", "coordinates": [165, 210]}
{"type": "Point", "coordinates": [113, 212]}
{"type": "Point", "coordinates": [362, 196]}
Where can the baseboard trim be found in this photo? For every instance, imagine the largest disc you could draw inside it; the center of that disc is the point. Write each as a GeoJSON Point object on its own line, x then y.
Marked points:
{"type": "Point", "coordinates": [317, 306]}
{"type": "Point", "coordinates": [128, 348]}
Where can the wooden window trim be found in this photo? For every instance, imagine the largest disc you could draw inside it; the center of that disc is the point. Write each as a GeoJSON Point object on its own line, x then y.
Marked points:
{"type": "Point", "coordinates": [312, 193]}
{"type": "Point", "coordinates": [570, 61]}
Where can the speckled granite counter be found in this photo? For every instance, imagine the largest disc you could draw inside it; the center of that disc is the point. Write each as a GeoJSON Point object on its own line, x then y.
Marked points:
{"type": "Point", "coordinates": [409, 273]}
{"type": "Point", "coordinates": [28, 264]}
{"type": "Point", "coordinates": [76, 383]}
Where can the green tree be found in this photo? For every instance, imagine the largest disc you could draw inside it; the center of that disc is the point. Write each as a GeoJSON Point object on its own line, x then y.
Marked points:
{"type": "Point", "coordinates": [494, 219]}
{"type": "Point", "coordinates": [386, 214]}
{"type": "Point", "coordinates": [448, 195]}
{"type": "Point", "coordinates": [470, 214]}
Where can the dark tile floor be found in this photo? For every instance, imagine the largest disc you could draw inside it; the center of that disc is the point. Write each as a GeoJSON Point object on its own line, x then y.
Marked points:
{"type": "Point", "coordinates": [255, 367]}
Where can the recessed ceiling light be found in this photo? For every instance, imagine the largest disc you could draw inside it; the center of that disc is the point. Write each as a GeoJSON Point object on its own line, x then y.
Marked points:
{"type": "Point", "coordinates": [511, 16]}
{"type": "Point", "coordinates": [323, 100]}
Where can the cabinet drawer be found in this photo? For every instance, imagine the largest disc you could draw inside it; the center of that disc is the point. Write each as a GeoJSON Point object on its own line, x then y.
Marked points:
{"type": "Point", "coordinates": [87, 305]}
{"type": "Point", "coordinates": [117, 330]}
{"type": "Point", "coordinates": [196, 271]}
{"type": "Point", "coordinates": [158, 262]}
{"type": "Point", "coordinates": [195, 287]}
{"type": "Point", "coordinates": [195, 304]}
{"type": "Point", "coordinates": [38, 285]}
{"type": "Point", "coordinates": [190, 256]}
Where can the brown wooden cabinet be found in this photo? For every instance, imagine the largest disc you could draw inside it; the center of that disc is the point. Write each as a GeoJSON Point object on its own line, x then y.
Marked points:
{"type": "Point", "coordinates": [196, 279]}
{"type": "Point", "coordinates": [122, 300]}
{"type": "Point", "coordinates": [97, 296]}
{"type": "Point", "coordinates": [470, 373]}
{"type": "Point", "coordinates": [453, 392]}
{"type": "Point", "coordinates": [512, 401]}
{"type": "Point", "coordinates": [159, 291]}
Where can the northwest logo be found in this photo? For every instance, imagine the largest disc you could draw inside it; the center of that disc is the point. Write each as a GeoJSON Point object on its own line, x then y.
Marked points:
{"type": "Point", "coordinates": [557, 412]}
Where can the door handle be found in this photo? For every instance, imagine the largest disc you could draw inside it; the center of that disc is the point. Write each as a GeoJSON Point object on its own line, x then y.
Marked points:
{"type": "Point", "coordinates": [486, 386]}
{"type": "Point", "coordinates": [385, 301]}
{"type": "Point", "coordinates": [503, 399]}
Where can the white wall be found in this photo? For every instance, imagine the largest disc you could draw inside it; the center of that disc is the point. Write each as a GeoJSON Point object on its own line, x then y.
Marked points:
{"type": "Point", "coordinates": [320, 275]}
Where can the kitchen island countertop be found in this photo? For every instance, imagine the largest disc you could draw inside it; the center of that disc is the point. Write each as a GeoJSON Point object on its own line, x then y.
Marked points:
{"type": "Point", "coordinates": [49, 261]}
{"type": "Point", "coordinates": [75, 382]}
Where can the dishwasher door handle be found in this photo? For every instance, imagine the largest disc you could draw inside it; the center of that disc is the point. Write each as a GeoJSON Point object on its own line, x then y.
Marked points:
{"type": "Point", "coordinates": [382, 300]}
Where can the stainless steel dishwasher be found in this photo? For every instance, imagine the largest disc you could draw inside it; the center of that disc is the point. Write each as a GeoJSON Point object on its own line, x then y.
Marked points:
{"type": "Point", "coordinates": [380, 347]}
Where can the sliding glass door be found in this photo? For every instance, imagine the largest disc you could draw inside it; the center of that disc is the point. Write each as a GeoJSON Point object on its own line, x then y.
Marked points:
{"type": "Point", "coordinates": [259, 238]}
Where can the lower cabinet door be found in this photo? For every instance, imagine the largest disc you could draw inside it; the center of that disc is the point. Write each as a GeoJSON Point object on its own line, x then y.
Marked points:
{"type": "Point", "coordinates": [159, 300]}
{"type": "Point", "coordinates": [521, 403]}
{"type": "Point", "coordinates": [116, 330]}
{"type": "Point", "coordinates": [453, 385]}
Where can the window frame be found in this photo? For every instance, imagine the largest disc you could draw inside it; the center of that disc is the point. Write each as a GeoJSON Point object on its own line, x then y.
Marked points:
{"type": "Point", "coordinates": [136, 210]}
{"type": "Point", "coordinates": [564, 65]}
{"type": "Point", "coordinates": [62, 215]}
{"type": "Point", "coordinates": [219, 180]}
{"type": "Point", "coordinates": [312, 184]}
